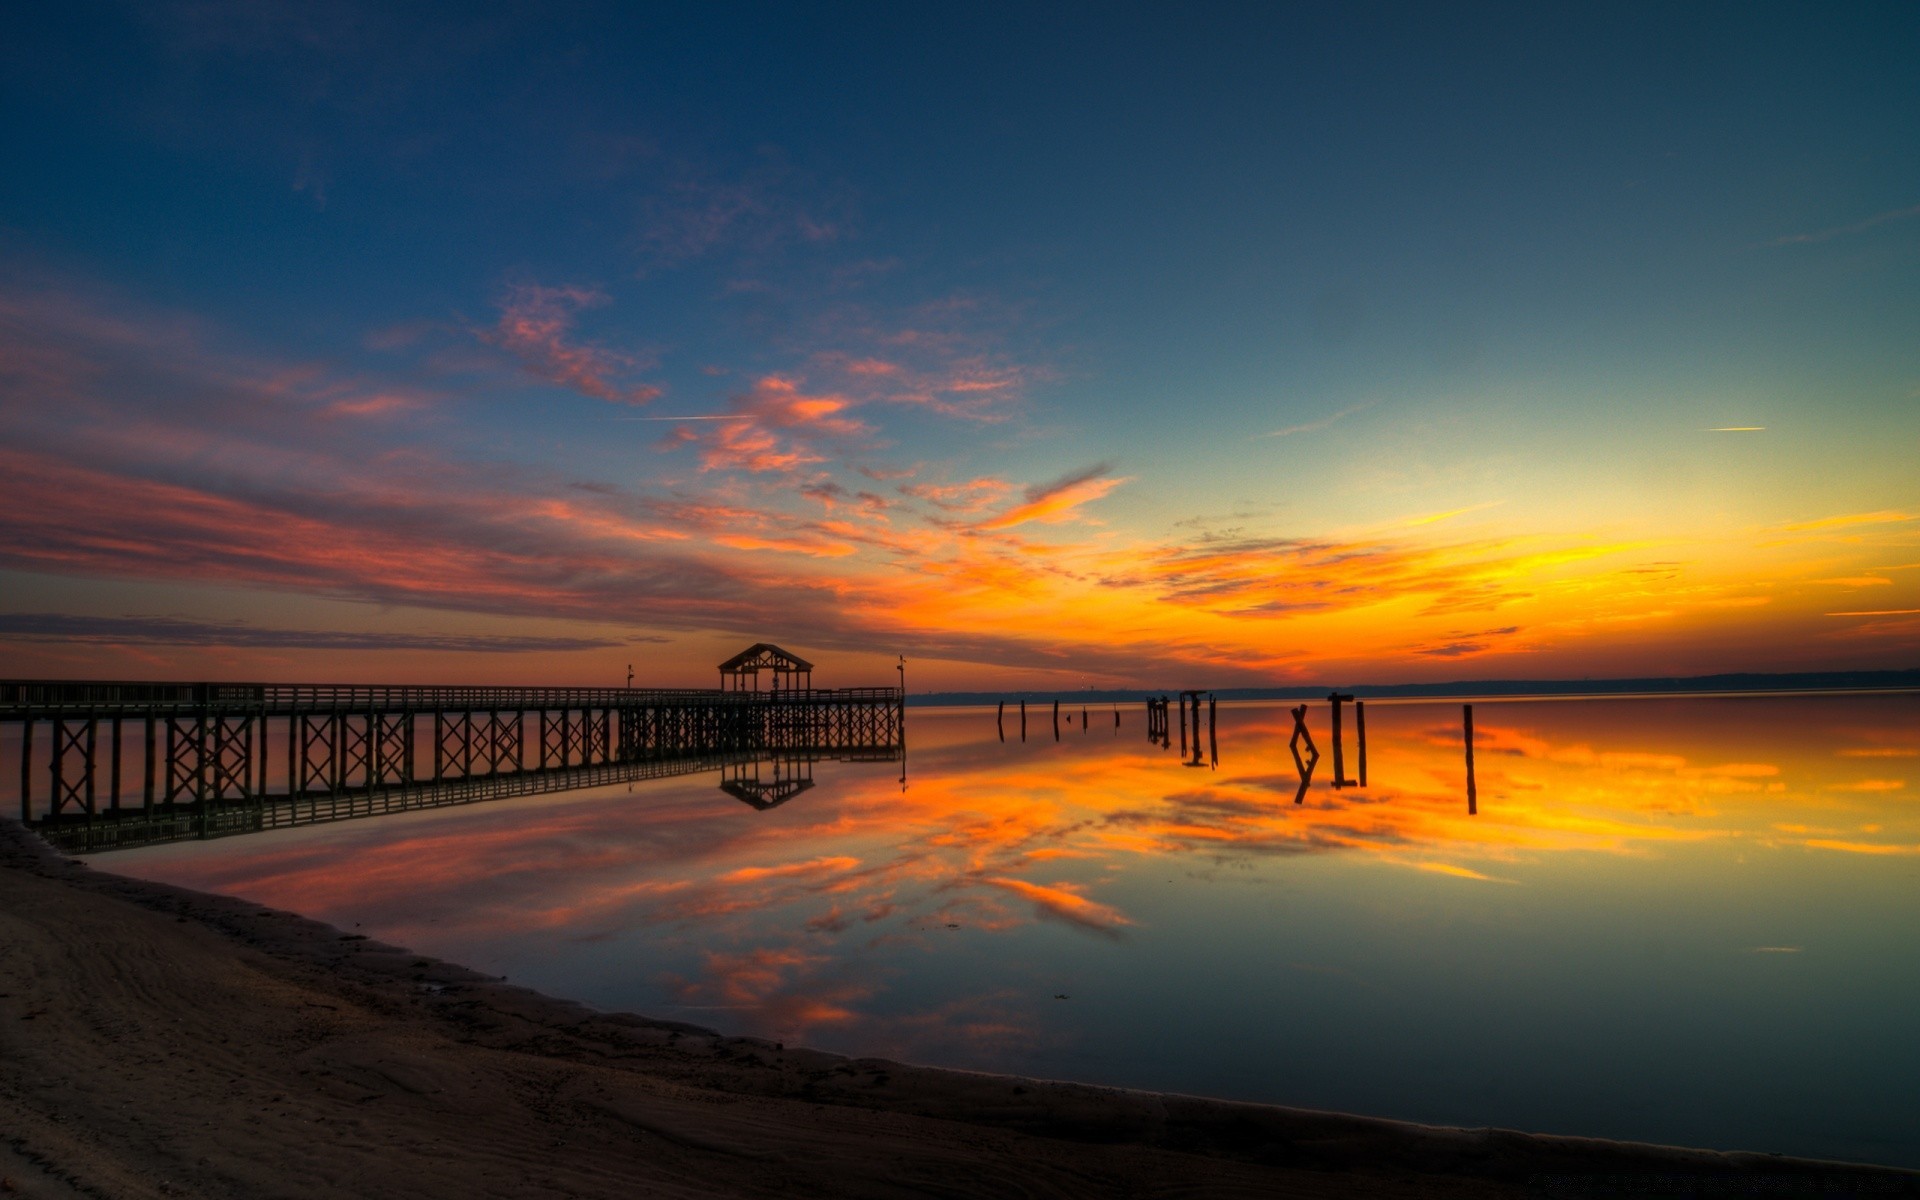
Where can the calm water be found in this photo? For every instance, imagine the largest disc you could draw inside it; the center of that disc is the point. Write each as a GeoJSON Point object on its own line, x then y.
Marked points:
{"type": "Point", "coordinates": [1685, 921]}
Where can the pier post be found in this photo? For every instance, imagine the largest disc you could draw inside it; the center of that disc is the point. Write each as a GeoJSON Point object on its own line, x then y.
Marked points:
{"type": "Point", "coordinates": [26, 769]}
{"type": "Point", "coordinates": [1213, 730]}
{"type": "Point", "coordinates": [1360, 734]}
{"type": "Point", "coordinates": [113, 802]}
{"type": "Point", "coordinates": [1473, 798]}
{"type": "Point", "coordinates": [1340, 780]}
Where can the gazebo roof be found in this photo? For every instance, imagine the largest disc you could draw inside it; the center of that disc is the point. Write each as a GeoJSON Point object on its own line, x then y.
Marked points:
{"type": "Point", "coordinates": [765, 655]}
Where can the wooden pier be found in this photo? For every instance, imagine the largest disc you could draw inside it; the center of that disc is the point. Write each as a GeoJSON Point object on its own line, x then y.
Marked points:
{"type": "Point", "coordinates": [102, 765]}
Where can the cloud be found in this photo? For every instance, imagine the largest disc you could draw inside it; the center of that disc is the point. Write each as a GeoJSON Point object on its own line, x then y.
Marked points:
{"type": "Point", "coordinates": [783, 429]}
{"type": "Point", "coordinates": [181, 631]}
{"type": "Point", "coordinates": [1467, 643]}
{"type": "Point", "coordinates": [1436, 518]}
{"type": "Point", "coordinates": [1322, 423]}
{"type": "Point", "coordinates": [742, 216]}
{"type": "Point", "coordinates": [536, 327]}
{"type": "Point", "coordinates": [1886, 516]}
{"type": "Point", "coordinates": [969, 496]}
{"type": "Point", "coordinates": [1826, 235]}
{"type": "Point", "coordinates": [1062, 903]}
{"type": "Point", "coordinates": [140, 445]}
{"type": "Point", "coordinates": [1058, 501]}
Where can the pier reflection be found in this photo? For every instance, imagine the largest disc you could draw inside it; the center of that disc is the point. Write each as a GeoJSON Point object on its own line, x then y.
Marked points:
{"type": "Point", "coordinates": [769, 781]}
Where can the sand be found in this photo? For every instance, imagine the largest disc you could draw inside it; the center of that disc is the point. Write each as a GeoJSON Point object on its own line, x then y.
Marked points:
{"type": "Point", "coordinates": [158, 1042]}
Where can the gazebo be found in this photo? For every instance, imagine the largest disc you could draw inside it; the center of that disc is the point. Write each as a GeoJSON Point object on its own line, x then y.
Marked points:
{"type": "Point", "coordinates": [741, 673]}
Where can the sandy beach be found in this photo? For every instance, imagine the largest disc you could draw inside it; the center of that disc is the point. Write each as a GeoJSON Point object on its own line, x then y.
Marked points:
{"type": "Point", "coordinates": [157, 1042]}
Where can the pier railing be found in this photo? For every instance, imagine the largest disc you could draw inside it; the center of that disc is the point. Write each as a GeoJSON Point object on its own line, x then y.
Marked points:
{"type": "Point", "coordinates": [199, 759]}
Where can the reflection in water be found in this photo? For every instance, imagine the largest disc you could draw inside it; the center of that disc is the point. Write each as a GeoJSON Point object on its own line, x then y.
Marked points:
{"type": "Point", "coordinates": [1466, 737]}
{"type": "Point", "coordinates": [775, 779]}
{"type": "Point", "coordinates": [1670, 923]}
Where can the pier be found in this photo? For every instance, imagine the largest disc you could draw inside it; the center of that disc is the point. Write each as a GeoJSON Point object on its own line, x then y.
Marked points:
{"type": "Point", "coordinates": [103, 764]}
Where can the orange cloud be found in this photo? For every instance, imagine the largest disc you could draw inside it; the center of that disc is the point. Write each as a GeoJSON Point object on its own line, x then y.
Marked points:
{"type": "Point", "coordinates": [1057, 501]}
{"type": "Point", "coordinates": [1062, 902]}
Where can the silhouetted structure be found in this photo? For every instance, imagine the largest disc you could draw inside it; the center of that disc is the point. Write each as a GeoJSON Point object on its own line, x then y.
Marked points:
{"type": "Point", "coordinates": [1340, 780]}
{"type": "Point", "coordinates": [1360, 735]}
{"type": "Point", "coordinates": [207, 763]}
{"type": "Point", "coordinates": [1304, 765]}
{"type": "Point", "coordinates": [741, 673]}
{"type": "Point", "coordinates": [1190, 705]}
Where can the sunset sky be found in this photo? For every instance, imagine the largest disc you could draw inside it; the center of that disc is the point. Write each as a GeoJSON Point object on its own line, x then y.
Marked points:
{"type": "Point", "coordinates": [1174, 345]}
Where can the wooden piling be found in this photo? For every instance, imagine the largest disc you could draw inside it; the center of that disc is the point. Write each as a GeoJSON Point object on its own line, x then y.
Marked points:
{"type": "Point", "coordinates": [113, 801]}
{"type": "Point", "coordinates": [1360, 734]}
{"type": "Point", "coordinates": [26, 770]}
{"type": "Point", "coordinates": [1339, 745]}
{"type": "Point", "coordinates": [1473, 797]}
{"type": "Point", "coordinates": [146, 790]}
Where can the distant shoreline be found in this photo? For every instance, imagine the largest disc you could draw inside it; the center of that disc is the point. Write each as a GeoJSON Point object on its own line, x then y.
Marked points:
{"type": "Point", "coordinates": [1745, 683]}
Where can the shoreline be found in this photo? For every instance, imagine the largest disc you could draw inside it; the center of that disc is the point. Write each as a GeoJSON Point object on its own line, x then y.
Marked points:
{"type": "Point", "coordinates": [165, 1042]}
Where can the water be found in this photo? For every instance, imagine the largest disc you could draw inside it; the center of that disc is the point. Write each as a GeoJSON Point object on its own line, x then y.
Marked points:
{"type": "Point", "coordinates": [1676, 920]}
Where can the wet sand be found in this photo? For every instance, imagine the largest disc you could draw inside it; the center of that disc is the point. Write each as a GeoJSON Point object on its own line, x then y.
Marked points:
{"type": "Point", "coordinates": [158, 1042]}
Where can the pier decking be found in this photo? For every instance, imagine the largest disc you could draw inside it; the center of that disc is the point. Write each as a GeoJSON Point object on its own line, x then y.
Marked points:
{"type": "Point", "coordinates": [104, 764]}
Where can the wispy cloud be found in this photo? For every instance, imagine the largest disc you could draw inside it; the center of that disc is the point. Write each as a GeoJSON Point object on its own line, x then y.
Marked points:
{"type": "Point", "coordinates": [1826, 235]}
{"type": "Point", "coordinates": [702, 417]}
{"type": "Point", "coordinates": [1736, 429]}
{"type": "Point", "coordinates": [1322, 423]}
{"type": "Point", "coordinates": [1886, 516]}
{"type": "Point", "coordinates": [181, 631]}
{"type": "Point", "coordinates": [1436, 518]}
{"type": "Point", "coordinates": [1467, 644]}
{"type": "Point", "coordinates": [700, 212]}
{"type": "Point", "coordinates": [780, 428]}
{"type": "Point", "coordinates": [968, 496]}
{"type": "Point", "coordinates": [536, 327]}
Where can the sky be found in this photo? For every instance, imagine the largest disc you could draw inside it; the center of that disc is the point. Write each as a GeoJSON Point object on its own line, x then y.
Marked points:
{"type": "Point", "coordinates": [1047, 346]}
